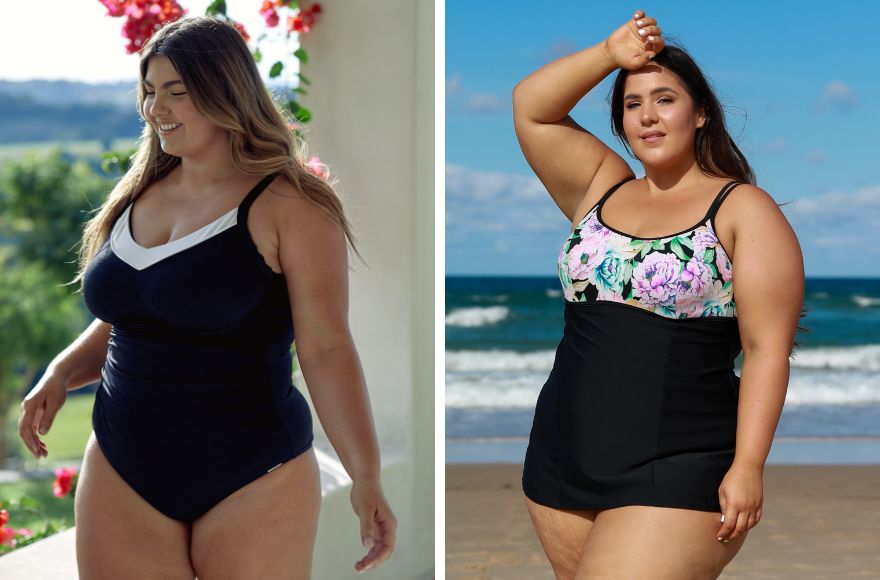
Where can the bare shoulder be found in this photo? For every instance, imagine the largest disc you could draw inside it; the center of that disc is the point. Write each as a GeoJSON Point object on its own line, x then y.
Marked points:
{"type": "Point", "coordinates": [304, 229]}
{"type": "Point", "coordinates": [748, 203]}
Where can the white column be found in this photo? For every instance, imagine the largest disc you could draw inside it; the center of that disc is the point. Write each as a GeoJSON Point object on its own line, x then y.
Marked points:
{"type": "Point", "coordinates": [372, 95]}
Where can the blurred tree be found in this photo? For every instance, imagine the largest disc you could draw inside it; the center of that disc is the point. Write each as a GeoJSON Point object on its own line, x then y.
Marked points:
{"type": "Point", "coordinates": [44, 202]}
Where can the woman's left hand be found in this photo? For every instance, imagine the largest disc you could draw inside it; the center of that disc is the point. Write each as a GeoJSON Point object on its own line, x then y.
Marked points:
{"type": "Point", "coordinates": [742, 496]}
{"type": "Point", "coordinates": [378, 524]}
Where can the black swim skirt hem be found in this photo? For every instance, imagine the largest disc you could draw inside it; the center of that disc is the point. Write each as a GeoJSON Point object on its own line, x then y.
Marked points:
{"type": "Point", "coordinates": [694, 506]}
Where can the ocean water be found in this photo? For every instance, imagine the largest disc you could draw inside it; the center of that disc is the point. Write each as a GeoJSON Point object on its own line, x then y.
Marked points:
{"type": "Point", "coordinates": [501, 336]}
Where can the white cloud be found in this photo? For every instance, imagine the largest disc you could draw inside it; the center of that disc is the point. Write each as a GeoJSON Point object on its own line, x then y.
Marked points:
{"type": "Point", "coordinates": [816, 157]}
{"type": "Point", "coordinates": [840, 96]}
{"type": "Point", "coordinates": [461, 99]}
{"type": "Point", "coordinates": [838, 221]}
{"type": "Point", "coordinates": [779, 145]}
{"type": "Point", "coordinates": [483, 202]}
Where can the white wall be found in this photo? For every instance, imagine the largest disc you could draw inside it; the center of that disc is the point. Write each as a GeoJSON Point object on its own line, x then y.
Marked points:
{"type": "Point", "coordinates": [372, 71]}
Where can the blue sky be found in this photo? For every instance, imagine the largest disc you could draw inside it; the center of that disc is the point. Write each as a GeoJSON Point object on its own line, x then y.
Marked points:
{"type": "Point", "coordinates": [799, 82]}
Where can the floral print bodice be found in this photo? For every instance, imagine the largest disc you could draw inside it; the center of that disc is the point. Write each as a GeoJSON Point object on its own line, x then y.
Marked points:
{"type": "Point", "coordinates": [686, 275]}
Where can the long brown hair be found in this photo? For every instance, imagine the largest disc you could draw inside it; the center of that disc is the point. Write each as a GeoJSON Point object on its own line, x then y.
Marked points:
{"type": "Point", "coordinates": [222, 79]}
{"type": "Point", "coordinates": [716, 153]}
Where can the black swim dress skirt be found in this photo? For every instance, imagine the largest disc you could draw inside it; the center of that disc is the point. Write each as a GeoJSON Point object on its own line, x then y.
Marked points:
{"type": "Point", "coordinates": [639, 409]}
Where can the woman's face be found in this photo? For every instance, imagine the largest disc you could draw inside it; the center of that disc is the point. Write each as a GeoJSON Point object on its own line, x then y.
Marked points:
{"type": "Point", "coordinates": [167, 104]}
{"type": "Point", "coordinates": [655, 100]}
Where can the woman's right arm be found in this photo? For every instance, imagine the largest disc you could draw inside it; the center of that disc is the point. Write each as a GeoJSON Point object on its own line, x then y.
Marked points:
{"type": "Point", "coordinates": [76, 366]}
{"type": "Point", "coordinates": [566, 157]}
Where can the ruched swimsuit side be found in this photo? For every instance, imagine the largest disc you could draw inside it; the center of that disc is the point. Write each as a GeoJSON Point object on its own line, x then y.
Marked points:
{"type": "Point", "coordinates": [196, 398]}
{"type": "Point", "coordinates": [640, 407]}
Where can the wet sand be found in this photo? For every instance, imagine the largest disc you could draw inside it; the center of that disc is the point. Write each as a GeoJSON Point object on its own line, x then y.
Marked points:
{"type": "Point", "coordinates": [820, 522]}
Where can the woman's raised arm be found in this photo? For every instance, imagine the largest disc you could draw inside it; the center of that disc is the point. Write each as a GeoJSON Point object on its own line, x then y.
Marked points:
{"type": "Point", "coordinates": [565, 156]}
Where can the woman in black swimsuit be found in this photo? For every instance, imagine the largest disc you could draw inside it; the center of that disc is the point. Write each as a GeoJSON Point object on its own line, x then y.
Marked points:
{"type": "Point", "coordinates": [210, 252]}
{"type": "Point", "coordinates": [647, 451]}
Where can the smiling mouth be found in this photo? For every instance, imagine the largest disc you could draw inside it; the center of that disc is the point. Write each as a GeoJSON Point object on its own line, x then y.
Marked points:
{"type": "Point", "coordinates": [169, 128]}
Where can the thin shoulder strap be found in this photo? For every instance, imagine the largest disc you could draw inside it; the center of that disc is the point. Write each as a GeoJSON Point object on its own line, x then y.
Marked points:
{"type": "Point", "coordinates": [601, 201]}
{"type": "Point", "coordinates": [613, 189]}
{"type": "Point", "coordinates": [719, 199]}
{"type": "Point", "coordinates": [256, 191]}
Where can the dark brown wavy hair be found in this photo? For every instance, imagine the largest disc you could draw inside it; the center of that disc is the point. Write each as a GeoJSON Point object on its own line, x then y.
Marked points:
{"type": "Point", "coordinates": [714, 149]}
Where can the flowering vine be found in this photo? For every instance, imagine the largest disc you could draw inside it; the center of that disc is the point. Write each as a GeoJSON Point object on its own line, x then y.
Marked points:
{"type": "Point", "coordinates": [11, 538]}
{"type": "Point", "coordinates": [145, 17]}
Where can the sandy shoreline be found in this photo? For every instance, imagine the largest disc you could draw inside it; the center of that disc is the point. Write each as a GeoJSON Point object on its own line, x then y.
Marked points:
{"type": "Point", "coordinates": [820, 522]}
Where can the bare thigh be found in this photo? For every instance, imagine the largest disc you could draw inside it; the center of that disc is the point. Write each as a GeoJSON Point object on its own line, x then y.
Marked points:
{"type": "Point", "coordinates": [119, 534]}
{"type": "Point", "coordinates": [656, 543]}
{"type": "Point", "coordinates": [562, 534]}
{"type": "Point", "coordinates": [264, 530]}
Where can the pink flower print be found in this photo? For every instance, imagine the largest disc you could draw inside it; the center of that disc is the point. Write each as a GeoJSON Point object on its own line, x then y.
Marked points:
{"type": "Point", "coordinates": [703, 238]}
{"type": "Point", "coordinates": [694, 277]}
{"type": "Point", "coordinates": [591, 226]}
{"type": "Point", "coordinates": [582, 257]}
{"type": "Point", "coordinates": [724, 266]}
{"type": "Point", "coordinates": [654, 281]}
{"type": "Point", "coordinates": [717, 301]}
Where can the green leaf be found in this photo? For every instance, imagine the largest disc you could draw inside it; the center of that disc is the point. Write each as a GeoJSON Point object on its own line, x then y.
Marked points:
{"type": "Point", "coordinates": [300, 91]}
{"type": "Point", "coordinates": [645, 249]}
{"type": "Point", "coordinates": [686, 241]}
{"type": "Point", "coordinates": [657, 244]}
{"type": "Point", "coordinates": [303, 78]}
{"type": "Point", "coordinates": [675, 246]}
{"type": "Point", "coordinates": [276, 69]}
{"type": "Point", "coordinates": [303, 115]}
{"type": "Point", "coordinates": [258, 56]}
{"type": "Point", "coordinates": [302, 55]}
{"type": "Point", "coordinates": [216, 7]}
{"type": "Point", "coordinates": [714, 271]}
{"type": "Point", "coordinates": [709, 255]}
{"type": "Point", "coordinates": [293, 106]}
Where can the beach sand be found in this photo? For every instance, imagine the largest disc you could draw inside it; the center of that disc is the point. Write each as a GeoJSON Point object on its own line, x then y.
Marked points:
{"type": "Point", "coordinates": [819, 522]}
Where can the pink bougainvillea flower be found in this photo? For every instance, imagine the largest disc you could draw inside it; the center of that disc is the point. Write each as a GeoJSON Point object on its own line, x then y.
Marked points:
{"type": "Point", "coordinates": [7, 536]}
{"type": "Point", "coordinates": [240, 27]}
{"type": "Point", "coordinates": [4, 517]}
{"type": "Point", "coordinates": [269, 13]}
{"type": "Point", "coordinates": [142, 18]}
{"type": "Point", "coordinates": [63, 481]}
{"type": "Point", "coordinates": [304, 20]}
{"type": "Point", "coordinates": [115, 8]}
{"type": "Point", "coordinates": [24, 532]}
{"type": "Point", "coordinates": [315, 167]}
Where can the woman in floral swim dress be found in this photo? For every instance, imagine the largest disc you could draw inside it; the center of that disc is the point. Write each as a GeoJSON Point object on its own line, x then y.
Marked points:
{"type": "Point", "coordinates": [647, 450]}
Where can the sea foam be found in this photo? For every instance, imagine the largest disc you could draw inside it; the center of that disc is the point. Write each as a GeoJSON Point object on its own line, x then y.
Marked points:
{"type": "Point", "coordinates": [477, 316]}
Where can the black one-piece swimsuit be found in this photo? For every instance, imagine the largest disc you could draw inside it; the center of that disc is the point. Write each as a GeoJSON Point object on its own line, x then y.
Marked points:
{"type": "Point", "coordinates": [196, 397]}
{"type": "Point", "coordinates": [640, 406]}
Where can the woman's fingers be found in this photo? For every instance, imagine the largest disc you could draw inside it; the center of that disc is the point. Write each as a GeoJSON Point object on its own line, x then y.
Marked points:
{"type": "Point", "coordinates": [26, 429]}
{"type": "Point", "coordinates": [384, 532]}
